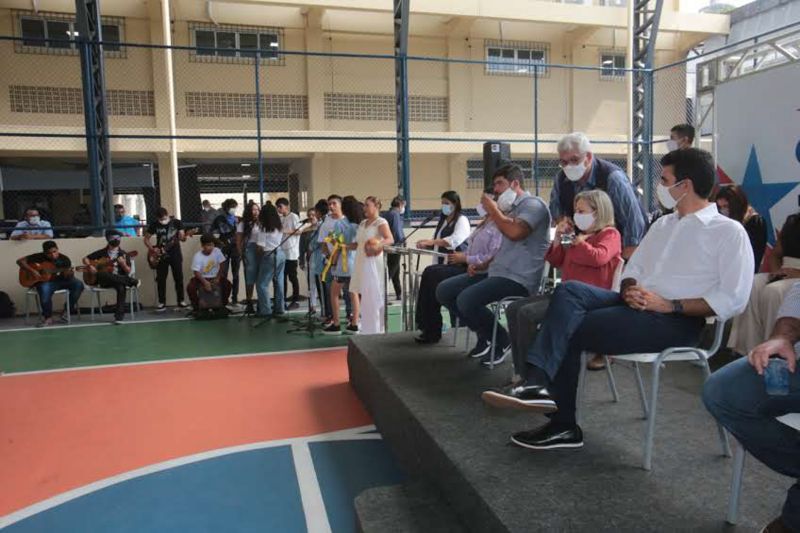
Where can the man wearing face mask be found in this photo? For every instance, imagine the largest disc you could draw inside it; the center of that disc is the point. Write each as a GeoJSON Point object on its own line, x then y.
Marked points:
{"type": "Point", "coordinates": [117, 274]}
{"type": "Point", "coordinates": [208, 216]}
{"type": "Point", "coordinates": [169, 236]}
{"type": "Point", "coordinates": [224, 228]}
{"type": "Point", "coordinates": [33, 227]}
{"type": "Point", "coordinates": [581, 171]}
{"type": "Point", "coordinates": [516, 269]}
{"type": "Point", "coordinates": [692, 264]}
{"type": "Point", "coordinates": [680, 137]}
{"type": "Point", "coordinates": [394, 217]}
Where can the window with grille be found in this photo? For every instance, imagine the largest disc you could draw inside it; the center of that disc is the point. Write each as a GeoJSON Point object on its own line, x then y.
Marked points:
{"type": "Point", "coordinates": [57, 33]}
{"type": "Point", "coordinates": [236, 44]}
{"type": "Point", "coordinates": [516, 58]}
{"type": "Point", "coordinates": [613, 65]}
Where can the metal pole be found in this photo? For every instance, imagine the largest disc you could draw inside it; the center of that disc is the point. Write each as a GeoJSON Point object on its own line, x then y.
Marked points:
{"type": "Point", "coordinates": [401, 16]}
{"type": "Point", "coordinates": [535, 169]}
{"type": "Point", "coordinates": [647, 140]}
{"type": "Point", "coordinates": [166, 29]}
{"type": "Point", "coordinates": [258, 129]}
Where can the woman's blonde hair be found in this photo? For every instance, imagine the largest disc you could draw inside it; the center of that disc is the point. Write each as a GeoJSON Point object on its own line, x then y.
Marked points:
{"type": "Point", "coordinates": [374, 200]}
{"type": "Point", "coordinates": [600, 202]}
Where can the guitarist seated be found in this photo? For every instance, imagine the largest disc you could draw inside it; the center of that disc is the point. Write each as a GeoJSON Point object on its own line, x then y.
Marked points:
{"type": "Point", "coordinates": [55, 272]}
{"type": "Point", "coordinates": [207, 274]}
{"type": "Point", "coordinates": [111, 267]}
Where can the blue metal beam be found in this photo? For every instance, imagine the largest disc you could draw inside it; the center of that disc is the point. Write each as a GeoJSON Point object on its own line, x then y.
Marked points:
{"type": "Point", "coordinates": [401, 15]}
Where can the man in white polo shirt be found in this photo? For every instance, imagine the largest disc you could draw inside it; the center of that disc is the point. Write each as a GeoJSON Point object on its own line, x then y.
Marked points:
{"type": "Point", "coordinates": [291, 247]}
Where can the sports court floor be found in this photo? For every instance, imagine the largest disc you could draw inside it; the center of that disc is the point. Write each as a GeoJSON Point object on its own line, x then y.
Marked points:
{"type": "Point", "coordinates": [177, 425]}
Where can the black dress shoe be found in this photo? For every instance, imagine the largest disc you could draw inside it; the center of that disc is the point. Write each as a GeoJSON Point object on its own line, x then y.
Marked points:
{"type": "Point", "coordinates": [426, 339]}
{"type": "Point", "coordinates": [500, 354]}
{"type": "Point", "coordinates": [551, 436]}
{"type": "Point", "coordinates": [521, 396]}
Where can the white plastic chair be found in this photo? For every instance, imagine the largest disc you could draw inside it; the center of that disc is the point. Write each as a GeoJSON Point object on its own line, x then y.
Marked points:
{"type": "Point", "coordinates": [33, 293]}
{"type": "Point", "coordinates": [793, 421]}
{"type": "Point", "coordinates": [658, 360]}
{"type": "Point", "coordinates": [131, 292]}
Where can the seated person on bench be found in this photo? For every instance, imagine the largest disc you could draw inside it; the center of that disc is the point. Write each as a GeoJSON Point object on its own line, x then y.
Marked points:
{"type": "Point", "coordinates": [115, 272]}
{"type": "Point", "coordinates": [207, 274]}
{"type": "Point", "coordinates": [692, 264]}
{"type": "Point", "coordinates": [63, 277]}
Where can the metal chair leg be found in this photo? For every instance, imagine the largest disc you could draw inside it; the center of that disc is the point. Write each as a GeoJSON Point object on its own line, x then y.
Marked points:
{"type": "Point", "coordinates": [612, 383]}
{"type": "Point", "coordinates": [494, 336]}
{"type": "Point", "coordinates": [27, 306]}
{"type": "Point", "coordinates": [466, 339]}
{"type": "Point", "coordinates": [455, 333]}
{"type": "Point", "coordinates": [581, 386]}
{"type": "Point", "coordinates": [640, 387]}
{"type": "Point", "coordinates": [736, 485]}
{"type": "Point", "coordinates": [67, 306]}
{"type": "Point", "coordinates": [651, 420]}
{"type": "Point", "coordinates": [723, 435]}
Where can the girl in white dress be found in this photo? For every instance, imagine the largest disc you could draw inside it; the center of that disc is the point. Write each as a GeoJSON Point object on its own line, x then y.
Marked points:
{"type": "Point", "coordinates": [368, 275]}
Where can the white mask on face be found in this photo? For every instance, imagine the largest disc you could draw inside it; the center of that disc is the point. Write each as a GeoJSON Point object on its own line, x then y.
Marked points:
{"type": "Point", "coordinates": [664, 196]}
{"type": "Point", "coordinates": [401, 210]}
{"type": "Point", "coordinates": [672, 145]}
{"type": "Point", "coordinates": [164, 221]}
{"type": "Point", "coordinates": [575, 172]}
{"type": "Point", "coordinates": [506, 200]}
{"type": "Point", "coordinates": [480, 209]}
{"type": "Point", "coordinates": [725, 211]}
{"type": "Point", "coordinates": [584, 221]}
{"type": "Point", "coordinates": [232, 211]}
{"type": "Point", "coordinates": [34, 220]}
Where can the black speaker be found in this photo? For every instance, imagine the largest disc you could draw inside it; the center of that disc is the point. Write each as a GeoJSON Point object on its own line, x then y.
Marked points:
{"type": "Point", "coordinates": [495, 155]}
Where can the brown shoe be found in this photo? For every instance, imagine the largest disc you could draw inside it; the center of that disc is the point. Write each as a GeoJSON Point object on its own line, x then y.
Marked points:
{"type": "Point", "coordinates": [776, 526]}
{"type": "Point", "coordinates": [598, 362]}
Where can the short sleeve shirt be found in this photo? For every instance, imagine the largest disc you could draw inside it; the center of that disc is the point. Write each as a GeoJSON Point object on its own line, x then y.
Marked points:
{"type": "Point", "coordinates": [523, 261]}
{"type": "Point", "coordinates": [208, 265]}
{"type": "Point", "coordinates": [62, 261]}
{"type": "Point", "coordinates": [112, 255]}
{"type": "Point", "coordinates": [291, 246]}
{"type": "Point", "coordinates": [165, 233]}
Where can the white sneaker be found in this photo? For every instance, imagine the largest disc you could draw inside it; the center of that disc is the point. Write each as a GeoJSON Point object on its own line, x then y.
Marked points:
{"type": "Point", "coordinates": [183, 305]}
{"type": "Point", "coordinates": [160, 308]}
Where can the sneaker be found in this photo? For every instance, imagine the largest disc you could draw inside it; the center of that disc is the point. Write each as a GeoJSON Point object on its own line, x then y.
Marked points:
{"type": "Point", "coordinates": [118, 321]}
{"type": "Point", "coordinates": [44, 323]}
{"type": "Point", "coordinates": [425, 338]}
{"type": "Point", "coordinates": [498, 357]}
{"type": "Point", "coordinates": [293, 305]}
{"type": "Point", "coordinates": [332, 329]}
{"type": "Point", "coordinates": [521, 396]}
{"type": "Point", "coordinates": [64, 319]}
{"type": "Point", "coordinates": [249, 309]}
{"type": "Point", "coordinates": [160, 308]}
{"type": "Point", "coordinates": [551, 436]}
{"type": "Point", "coordinates": [351, 329]}
{"type": "Point", "coordinates": [480, 349]}
{"type": "Point", "coordinates": [183, 305]}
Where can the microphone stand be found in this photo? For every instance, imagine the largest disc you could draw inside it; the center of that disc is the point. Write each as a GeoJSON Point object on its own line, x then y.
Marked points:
{"type": "Point", "coordinates": [309, 323]}
{"type": "Point", "coordinates": [275, 260]}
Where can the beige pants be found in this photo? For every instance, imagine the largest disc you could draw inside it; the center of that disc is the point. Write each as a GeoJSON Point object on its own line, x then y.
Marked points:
{"type": "Point", "coordinates": [754, 326]}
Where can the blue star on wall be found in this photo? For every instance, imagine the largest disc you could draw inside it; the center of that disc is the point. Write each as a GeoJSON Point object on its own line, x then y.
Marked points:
{"type": "Point", "coordinates": [762, 195]}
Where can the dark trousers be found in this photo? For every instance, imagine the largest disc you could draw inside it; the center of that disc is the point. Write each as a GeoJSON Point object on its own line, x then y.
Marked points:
{"type": "Point", "coordinates": [232, 265]}
{"type": "Point", "coordinates": [174, 262]}
{"type": "Point", "coordinates": [393, 264]}
{"type": "Point", "coordinates": [734, 395]}
{"type": "Point", "coordinates": [119, 283]}
{"type": "Point", "coordinates": [582, 317]}
{"type": "Point", "coordinates": [290, 276]}
{"type": "Point", "coordinates": [429, 311]}
{"type": "Point", "coordinates": [524, 317]}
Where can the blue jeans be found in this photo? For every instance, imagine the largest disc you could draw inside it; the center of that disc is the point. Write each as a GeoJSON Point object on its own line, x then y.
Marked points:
{"type": "Point", "coordinates": [734, 395]}
{"type": "Point", "coordinates": [271, 267]}
{"type": "Point", "coordinates": [251, 264]}
{"type": "Point", "coordinates": [47, 288]}
{"type": "Point", "coordinates": [583, 317]}
{"type": "Point", "coordinates": [467, 297]}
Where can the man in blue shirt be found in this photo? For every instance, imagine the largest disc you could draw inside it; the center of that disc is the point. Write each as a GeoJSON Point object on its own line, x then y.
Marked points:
{"type": "Point", "coordinates": [125, 224]}
{"type": "Point", "coordinates": [581, 171]}
{"type": "Point", "coordinates": [33, 227]}
{"type": "Point", "coordinates": [395, 219]}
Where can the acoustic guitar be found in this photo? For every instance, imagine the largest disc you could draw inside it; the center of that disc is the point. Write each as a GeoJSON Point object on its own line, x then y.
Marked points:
{"type": "Point", "coordinates": [46, 270]}
{"type": "Point", "coordinates": [104, 264]}
{"type": "Point", "coordinates": [159, 253]}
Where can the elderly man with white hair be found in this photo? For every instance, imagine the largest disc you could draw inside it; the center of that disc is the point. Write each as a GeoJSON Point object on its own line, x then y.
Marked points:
{"type": "Point", "coordinates": [581, 171]}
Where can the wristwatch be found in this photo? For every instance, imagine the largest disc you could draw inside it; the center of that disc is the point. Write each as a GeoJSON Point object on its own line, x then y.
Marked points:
{"type": "Point", "coordinates": [677, 307]}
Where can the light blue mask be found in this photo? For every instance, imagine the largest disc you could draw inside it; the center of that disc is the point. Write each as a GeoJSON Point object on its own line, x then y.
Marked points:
{"type": "Point", "coordinates": [447, 209]}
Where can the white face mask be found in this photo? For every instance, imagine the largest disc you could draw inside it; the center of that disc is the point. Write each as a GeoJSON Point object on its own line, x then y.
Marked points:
{"type": "Point", "coordinates": [447, 209]}
{"type": "Point", "coordinates": [401, 210]}
{"type": "Point", "coordinates": [574, 172]}
{"type": "Point", "coordinates": [34, 220]}
{"type": "Point", "coordinates": [480, 209]}
{"type": "Point", "coordinates": [584, 221]}
{"type": "Point", "coordinates": [164, 221]}
{"type": "Point", "coordinates": [506, 200]}
{"type": "Point", "coordinates": [725, 211]}
{"type": "Point", "coordinates": [672, 145]}
{"type": "Point", "coordinates": [232, 211]}
{"type": "Point", "coordinates": [664, 196]}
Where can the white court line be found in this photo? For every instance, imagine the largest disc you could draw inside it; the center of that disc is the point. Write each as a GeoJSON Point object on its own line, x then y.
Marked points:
{"type": "Point", "coordinates": [64, 497]}
{"type": "Point", "coordinates": [310, 493]}
{"type": "Point", "coordinates": [176, 360]}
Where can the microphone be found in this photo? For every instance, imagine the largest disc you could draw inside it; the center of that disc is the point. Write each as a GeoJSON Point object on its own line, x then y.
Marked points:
{"type": "Point", "coordinates": [434, 215]}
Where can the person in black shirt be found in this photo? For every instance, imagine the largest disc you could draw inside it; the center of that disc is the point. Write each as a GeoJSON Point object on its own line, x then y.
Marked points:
{"type": "Point", "coordinates": [64, 278]}
{"type": "Point", "coordinates": [224, 228]}
{"type": "Point", "coordinates": [732, 202]}
{"type": "Point", "coordinates": [117, 275]}
{"type": "Point", "coordinates": [169, 235]}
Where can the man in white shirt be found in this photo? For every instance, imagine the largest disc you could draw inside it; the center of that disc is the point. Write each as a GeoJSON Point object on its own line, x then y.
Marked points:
{"type": "Point", "coordinates": [692, 264]}
{"type": "Point", "coordinates": [33, 227]}
{"type": "Point", "coordinates": [291, 247]}
{"type": "Point", "coordinates": [207, 274]}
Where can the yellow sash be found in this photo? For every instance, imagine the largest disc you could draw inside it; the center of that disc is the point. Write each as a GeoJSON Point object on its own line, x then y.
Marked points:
{"type": "Point", "coordinates": [339, 248]}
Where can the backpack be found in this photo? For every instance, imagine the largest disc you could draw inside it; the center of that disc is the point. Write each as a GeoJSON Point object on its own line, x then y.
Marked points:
{"type": "Point", "coordinates": [7, 309]}
{"type": "Point", "coordinates": [603, 170]}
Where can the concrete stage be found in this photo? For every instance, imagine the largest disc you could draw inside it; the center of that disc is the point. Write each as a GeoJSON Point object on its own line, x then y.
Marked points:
{"type": "Point", "coordinates": [465, 476]}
